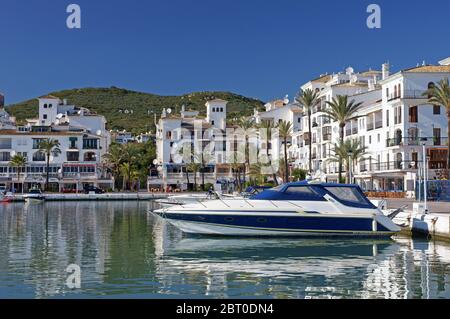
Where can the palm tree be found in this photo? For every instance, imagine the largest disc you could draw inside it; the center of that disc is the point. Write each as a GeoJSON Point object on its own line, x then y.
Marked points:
{"type": "Point", "coordinates": [256, 173]}
{"type": "Point", "coordinates": [49, 147]}
{"type": "Point", "coordinates": [246, 124]}
{"type": "Point", "coordinates": [267, 126]}
{"type": "Point", "coordinates": [236, 166]}
{"type": "Point", "coordinates": [202, 159]}
{"type": "Point", "coordinates": [18, 161]}
{"type": "Point", "coordinates": [342, 111]}
{"type": "Point", "coordinates": [285, 132]}
{"type": "Point", "coordinates": [194, 168]}
{"type": "Point", "coordinates": [347, 152]}
{"type": "Point", "coordinates": [308, 99]}
{"type": "Point", "coordinates": [440, 95]}
{"type": "Point", "coordinates": [113, 159]}
{"type": "Point", "coordinates": [126, 171]}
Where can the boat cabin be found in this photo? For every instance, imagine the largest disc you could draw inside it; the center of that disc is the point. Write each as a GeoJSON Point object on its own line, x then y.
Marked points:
{"type": "Point", "coordinates": [348, 195]}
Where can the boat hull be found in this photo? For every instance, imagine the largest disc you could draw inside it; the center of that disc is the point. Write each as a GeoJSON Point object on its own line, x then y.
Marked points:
{"type": "Point", "coordinates": [34, 200]}
{"type": "Point", "coordinates": [284, 225]}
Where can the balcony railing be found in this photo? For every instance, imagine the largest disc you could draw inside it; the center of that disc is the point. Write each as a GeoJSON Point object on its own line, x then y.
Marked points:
{"type": "Point", "coordinates": [378, 124]}
{"type": "Point", "coordinates": [370, 126]}
{"type": "Point", "coordinates": [399, 165]}
{"type": "Point", "coordinates": [416, 141]}
{"type": "Point", "coordinates": [326, 137]}
{"type": "Point", "coordinates": [415, 94]}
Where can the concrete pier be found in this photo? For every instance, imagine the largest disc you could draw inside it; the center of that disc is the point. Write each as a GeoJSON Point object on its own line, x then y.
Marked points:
{"type": "Point", "coordinates": [435, 225]}
{"type": "Point", "coordinates": [98, 197]}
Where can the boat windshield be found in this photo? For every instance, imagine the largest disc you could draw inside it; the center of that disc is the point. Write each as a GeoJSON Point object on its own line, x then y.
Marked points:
{"type": "Point", "coordinates": [349, 195]}
{"type": "Point", "coordinates": [34, 191]}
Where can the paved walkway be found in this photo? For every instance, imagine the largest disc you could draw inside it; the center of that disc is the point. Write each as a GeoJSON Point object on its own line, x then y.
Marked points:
{"type": "Point", "coordinates": [434, 207]}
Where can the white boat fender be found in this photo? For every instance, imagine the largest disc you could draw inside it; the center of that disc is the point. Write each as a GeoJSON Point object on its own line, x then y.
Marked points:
{"type": "Point", "coordinates": [374, 224]}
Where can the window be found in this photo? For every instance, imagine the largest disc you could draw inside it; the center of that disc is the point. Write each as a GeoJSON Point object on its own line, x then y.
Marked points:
{"type": "Point", "coordinates": [349, 195]}
{"type": "Point", "coordinates": [39, 156]}
{"type": "Point", "coordinates": [212, 122]}
{"type": "Point", "coordinates": [387, 93]}
{"type": "Point", "coordinates": [221, 109]}
{"type": "Point", "coordinates": [36, 142]}
{"type": "Point", "coordinates": [214, 109]}
{"type": "Point", "coordinates": [73, 156]}
{"type": "Point", "coordinates": [5, 156]}
{"type": "Point", "coordinates": [413, 115]}
{"type": "Point", "coordinates": [387, 117]}
{"type": "Point", "coordinates": [44, 116]}
{"type": "Point", "coordinates": [45, 106]}
{"type": "Point", "coordinates": [436, 109]}
{"type": "Point", "coordinates": [431, 87]}
{"type": "Point", "coordinates": [90, 144]}
{"type": "Point", "coordinates": [303, 192]}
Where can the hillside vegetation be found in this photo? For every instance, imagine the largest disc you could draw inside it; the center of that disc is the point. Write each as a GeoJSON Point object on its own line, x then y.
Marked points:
{"type": "Point", "coordinates": [141, 107]}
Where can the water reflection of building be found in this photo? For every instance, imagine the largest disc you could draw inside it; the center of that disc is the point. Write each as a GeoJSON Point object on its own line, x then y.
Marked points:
{"type": "Point", "coordinates": [47, 240]}
{"type": "Point", "coordinates": [420, 269]}
{"type": "Point", "coordinates": [123, 250]}
{"type": "Point", "coordinates": [307, 269]}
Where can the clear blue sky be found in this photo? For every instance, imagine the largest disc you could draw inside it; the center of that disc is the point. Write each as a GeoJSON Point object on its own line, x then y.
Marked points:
{"type": "Point", "coordinates": [262, 49]}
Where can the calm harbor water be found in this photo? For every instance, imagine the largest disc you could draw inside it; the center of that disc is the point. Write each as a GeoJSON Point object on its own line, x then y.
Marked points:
{"type": "Point", "coordinates": [124, 252]}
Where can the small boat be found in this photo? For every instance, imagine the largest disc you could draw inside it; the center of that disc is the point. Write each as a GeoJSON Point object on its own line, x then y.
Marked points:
{"type": "Point", "coordinates": [34, 196]}
{"type": "Point", "coordinates": [6, 198]}
{"type": "Point", "coordinates": [293, 209]}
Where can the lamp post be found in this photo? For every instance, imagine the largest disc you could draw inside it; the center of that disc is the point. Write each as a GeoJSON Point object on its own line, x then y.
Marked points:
{"type": "Point", "coordinates": [350, 173]}
{"type": "Point", "coordinates": [425, 177]}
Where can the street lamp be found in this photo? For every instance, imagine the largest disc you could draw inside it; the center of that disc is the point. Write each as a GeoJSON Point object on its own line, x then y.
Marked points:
{"type": "Point", "coordinates": [350, 173]}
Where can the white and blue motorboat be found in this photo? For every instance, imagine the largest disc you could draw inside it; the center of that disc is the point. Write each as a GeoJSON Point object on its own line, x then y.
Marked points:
{"type": "Point", "coordinates": [294, 209]}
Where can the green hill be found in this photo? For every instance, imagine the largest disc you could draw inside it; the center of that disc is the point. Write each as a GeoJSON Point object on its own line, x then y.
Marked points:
{"type": "Point", "coordinates": [110, 101]}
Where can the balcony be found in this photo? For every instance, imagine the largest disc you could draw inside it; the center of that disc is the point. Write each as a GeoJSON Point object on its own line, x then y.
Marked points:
{"type": "Point", "coordinates": [370, 126]}
{"type": "Point", "coordinates": [326, 137]}
{"type": "Point", "coordinates": [415, 94]}
{"type": "Point", "coordinates": [416, 141]}
{"type": "Point", "coordinates": [354, 130]}
{"type": "Point", "coordinates": [378, 124]}
{"type": "Point", "coordinates": [389, 166]}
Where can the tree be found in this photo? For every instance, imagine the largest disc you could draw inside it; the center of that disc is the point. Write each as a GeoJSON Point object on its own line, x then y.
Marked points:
{"type": "Point", "coordinates": [113, 159]}
{"type": "Point", "coordinates": [126, 172]}
{"type": "Point", "coordinates": [267, 126]}
{"type": "Point", "coordinates": [342, 111]}
{"type": "Point", "coordinates": [18, 161]}
{"type": "Point", "coordinates": [246, 124]}
{"type": "Point", "coordinates": [49, 147]}
{"type": "Point", "coordinates": [285, 132]}
{"type": "Point", "coordinates": [440, 95]}
{"type": "Point", "coordinates": [299, 174]}
{"type": "Point", "coordinates": [203, 158]}
{"type": "Point", "coordinates": [347, 152]}
{"type": "Point", "coordinates": [308, 99]}
{"type": "Point", "coordinates": [194, 168]}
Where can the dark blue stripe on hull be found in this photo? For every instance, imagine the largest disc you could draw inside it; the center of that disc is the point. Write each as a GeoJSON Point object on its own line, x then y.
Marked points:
{"type": "Point", "coordinates": [282, 222]}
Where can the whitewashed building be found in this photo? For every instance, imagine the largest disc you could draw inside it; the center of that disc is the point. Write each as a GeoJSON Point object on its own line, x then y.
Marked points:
{"type": "Point", "coordinates": [83, 141]}
{"type": "Point", "coordinates": [394, 123]}
{"type": "Point", "coordinates": [203, 133]}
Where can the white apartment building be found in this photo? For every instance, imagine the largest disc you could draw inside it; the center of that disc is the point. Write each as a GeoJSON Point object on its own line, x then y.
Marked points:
{"type": "Point", "coordinates": [395, 122]}
{"type": "Point", "coordinates": [83, 141]}
{"type": "Point", "coordinates": [174, 131]}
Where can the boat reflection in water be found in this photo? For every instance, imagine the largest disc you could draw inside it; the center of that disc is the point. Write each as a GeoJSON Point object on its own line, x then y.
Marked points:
{"type": "Point", "coordinates": [124, 252]}
{"type": "Point", "coordinates": [307, 268]}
